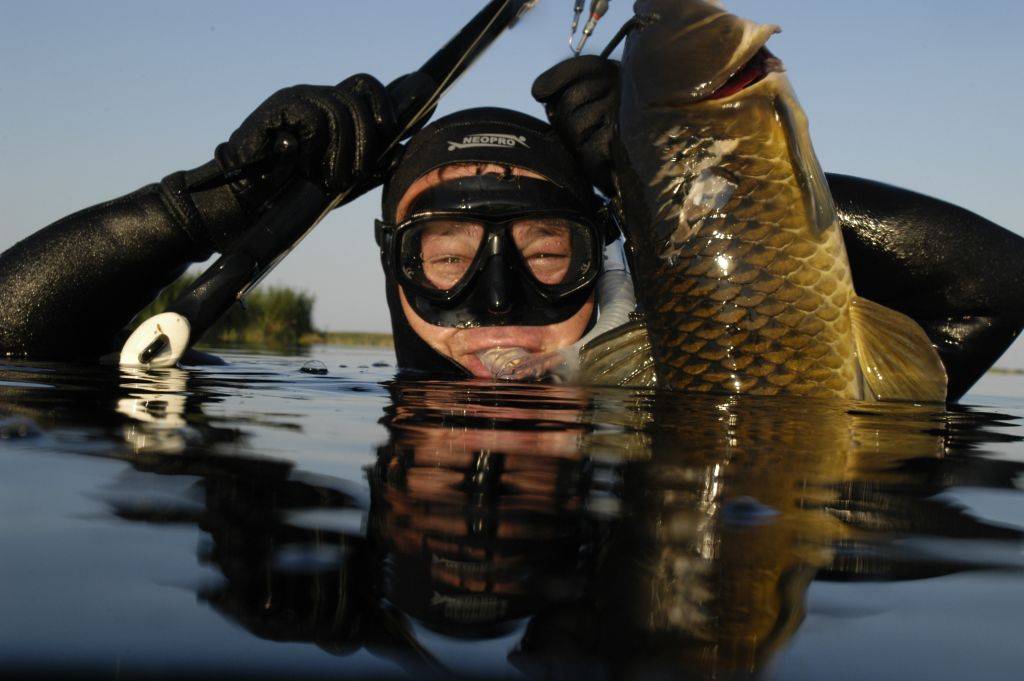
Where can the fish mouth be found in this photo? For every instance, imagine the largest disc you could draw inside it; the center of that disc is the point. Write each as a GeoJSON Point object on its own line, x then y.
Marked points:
{"type": "Point", "coordinates": [760, 66]}
{"type": "Point", "coordinates": [686, 51]}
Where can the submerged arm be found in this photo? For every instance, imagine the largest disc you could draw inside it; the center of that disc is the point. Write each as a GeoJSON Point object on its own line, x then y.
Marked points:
{"type": "Point", "coordinates": [955, 273]}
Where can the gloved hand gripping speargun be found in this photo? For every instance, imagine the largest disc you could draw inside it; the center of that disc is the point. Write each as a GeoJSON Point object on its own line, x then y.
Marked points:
{"type": "Point", "coordinates": [161, 340]}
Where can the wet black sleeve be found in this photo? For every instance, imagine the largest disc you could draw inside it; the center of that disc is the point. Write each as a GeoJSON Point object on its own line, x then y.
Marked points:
{"type": "Point", "coordinates": [954, 272]}
{"type": "Point", "coordinates": [69, 289]}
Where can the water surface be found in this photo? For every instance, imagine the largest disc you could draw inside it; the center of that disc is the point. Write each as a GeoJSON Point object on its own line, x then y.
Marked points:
{"type": "Point", "coordinates": [254, 521]}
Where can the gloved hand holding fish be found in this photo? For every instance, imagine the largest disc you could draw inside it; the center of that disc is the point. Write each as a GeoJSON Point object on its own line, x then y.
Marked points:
{"type": "Point", "coordinates": [734, 238]}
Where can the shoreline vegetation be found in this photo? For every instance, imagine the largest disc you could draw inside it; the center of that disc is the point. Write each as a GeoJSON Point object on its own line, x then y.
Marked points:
{"type": "Point", "coordinates": [273, 316]}
{"type": "Point", "coordinates": [363, 339]}
{"type": "Point", "coordinates": [280, 316]}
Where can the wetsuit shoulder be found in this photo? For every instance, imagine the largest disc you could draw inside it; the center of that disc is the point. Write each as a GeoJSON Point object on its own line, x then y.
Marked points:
{"type": "Point", "coordinates": [954, 272]}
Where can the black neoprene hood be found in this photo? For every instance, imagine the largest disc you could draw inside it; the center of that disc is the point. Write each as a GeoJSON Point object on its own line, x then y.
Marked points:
{"type": "Point", "coordinates": [484, 135]}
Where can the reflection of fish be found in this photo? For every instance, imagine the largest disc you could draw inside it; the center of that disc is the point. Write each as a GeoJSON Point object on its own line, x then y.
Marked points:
{"type": "Point", "coordinates": [738, 252]}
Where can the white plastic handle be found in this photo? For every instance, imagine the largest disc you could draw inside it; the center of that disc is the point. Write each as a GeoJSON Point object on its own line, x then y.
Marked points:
{"type": "Point", "coordinates": [170, 324]}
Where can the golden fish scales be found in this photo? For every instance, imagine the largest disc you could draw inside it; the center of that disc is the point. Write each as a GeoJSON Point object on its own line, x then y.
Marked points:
{"type": "Point", "coordinates": [755, 294]}
{"type": "Point", "coordinates": [736, 245]}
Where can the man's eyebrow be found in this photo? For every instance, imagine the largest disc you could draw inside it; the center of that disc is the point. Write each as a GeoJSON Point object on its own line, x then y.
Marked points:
{"type": "Point", "coordinates": [448, 228]}
{"type": "Point", "coordinates": [545, 229]}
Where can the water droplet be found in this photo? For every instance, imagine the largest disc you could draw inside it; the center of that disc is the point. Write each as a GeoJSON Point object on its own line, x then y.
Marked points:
{"type": "Point", "coordinates": [381, 364]}
{"type": "Point", "coordinates": [315, 367]}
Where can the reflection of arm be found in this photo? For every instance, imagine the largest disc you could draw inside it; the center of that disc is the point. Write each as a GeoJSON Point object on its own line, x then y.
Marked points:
{"type": "Point", "coordinates": [71, 287]}
{"type": "Point", "coordinates": [954, 272]}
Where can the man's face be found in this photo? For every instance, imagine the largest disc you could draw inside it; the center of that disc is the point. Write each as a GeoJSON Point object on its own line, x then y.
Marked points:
{"type": "Point", "coordinates": [447, 252]}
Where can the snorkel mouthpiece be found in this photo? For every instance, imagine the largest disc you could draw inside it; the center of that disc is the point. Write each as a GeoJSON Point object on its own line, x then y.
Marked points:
{"type": "Point", "coordinates": [502, 362]}
{"type": "Point", "coordinates": [518, 364]}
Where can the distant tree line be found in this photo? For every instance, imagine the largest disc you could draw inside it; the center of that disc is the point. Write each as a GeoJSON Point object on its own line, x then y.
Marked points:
{"type": "Point", "coordinates": [272, 315]}
{"type": "Point", "coordinates": [275, 316]}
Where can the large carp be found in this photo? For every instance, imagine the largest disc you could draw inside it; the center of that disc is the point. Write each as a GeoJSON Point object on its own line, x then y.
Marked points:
{"type": "Point", "coordinates": [736, 245]}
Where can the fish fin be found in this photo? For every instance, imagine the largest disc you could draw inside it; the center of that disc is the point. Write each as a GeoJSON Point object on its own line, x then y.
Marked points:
{"type": "Point", "coordinates": [896, 356]}
{"type": "Point", "coordinates": [619, 357]}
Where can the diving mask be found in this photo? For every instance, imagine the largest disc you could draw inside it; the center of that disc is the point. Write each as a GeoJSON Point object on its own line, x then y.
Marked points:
{"type": "Point", "coordinates": [495, 250]}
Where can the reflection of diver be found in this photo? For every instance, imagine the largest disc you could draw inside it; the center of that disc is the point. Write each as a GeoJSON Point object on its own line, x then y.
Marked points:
{"type": "Point", "coordinates": [488, 519]}
{"type": "Point", "coordinates": [478, 521]}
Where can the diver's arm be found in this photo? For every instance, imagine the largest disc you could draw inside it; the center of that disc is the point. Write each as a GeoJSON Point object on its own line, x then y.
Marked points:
{"type": "Point", "coordinates": [68, 289]}
{"type": "Point", "coordinates": [954, 272]}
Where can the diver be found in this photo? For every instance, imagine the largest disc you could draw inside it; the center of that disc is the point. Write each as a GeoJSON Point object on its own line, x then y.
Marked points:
{"type": "Point", "coordinates": [492, 236]}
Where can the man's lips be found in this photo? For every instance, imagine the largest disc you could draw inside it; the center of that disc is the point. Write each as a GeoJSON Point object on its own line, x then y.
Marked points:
{"type": "Point", "coordinates": [473, 341]}
{"type": "Point", "coordinates": [467, 343]}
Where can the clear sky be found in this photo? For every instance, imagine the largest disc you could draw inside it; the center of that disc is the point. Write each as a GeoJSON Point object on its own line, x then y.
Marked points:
{"type": "Point", "coordinates": [97, 99]}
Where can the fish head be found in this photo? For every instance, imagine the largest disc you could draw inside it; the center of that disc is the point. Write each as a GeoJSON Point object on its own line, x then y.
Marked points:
{"type": "Point", "coordinates": [701, 88]}
{"type": "Point", "coordinates": [685, 51]}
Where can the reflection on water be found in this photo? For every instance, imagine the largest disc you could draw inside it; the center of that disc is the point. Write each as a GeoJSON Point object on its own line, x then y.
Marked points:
{"type": "Point", "coordinates": [502, 530]}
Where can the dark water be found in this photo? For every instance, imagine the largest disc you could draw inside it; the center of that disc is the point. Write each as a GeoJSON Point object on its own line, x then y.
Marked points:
{"type": "Point", "coordinates": [253, 521]}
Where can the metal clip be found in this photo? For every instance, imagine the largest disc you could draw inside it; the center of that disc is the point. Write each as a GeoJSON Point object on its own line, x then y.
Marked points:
{"type": "Point", "coordinates": [598, 8]}
{"type": "Point", "coordinates": [577, 12]}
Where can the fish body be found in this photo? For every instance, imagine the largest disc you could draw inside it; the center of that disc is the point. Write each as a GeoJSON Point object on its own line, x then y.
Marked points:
{"type": "Point", "coordinates": [735, 241]}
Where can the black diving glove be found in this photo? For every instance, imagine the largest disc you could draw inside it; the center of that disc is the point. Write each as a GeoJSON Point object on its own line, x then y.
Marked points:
{"type": "Point", "coordinates": [581, 98]}
{"type": "Point", "coordinates": [341, 132]}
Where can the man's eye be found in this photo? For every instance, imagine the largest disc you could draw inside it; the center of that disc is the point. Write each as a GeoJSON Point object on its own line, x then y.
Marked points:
{"type": "Point", "coordinates": [546, 252]}
{"type": "Point", "coordinates": [447, 260]}
{"type": "Point", "coordinates": [445, 270]}
{"type": "Point", "coordinates": [548, 268]}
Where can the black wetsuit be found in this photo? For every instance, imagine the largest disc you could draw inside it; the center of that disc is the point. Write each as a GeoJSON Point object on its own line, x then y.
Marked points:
{"type": "Point", "coordinates": [69, 289]}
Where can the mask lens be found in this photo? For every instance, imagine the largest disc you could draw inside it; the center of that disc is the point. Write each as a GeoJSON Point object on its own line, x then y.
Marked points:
{"type": "Point", "coordinates": [437, 254]}
{"type": "Point", "coordinates": [547, 247]}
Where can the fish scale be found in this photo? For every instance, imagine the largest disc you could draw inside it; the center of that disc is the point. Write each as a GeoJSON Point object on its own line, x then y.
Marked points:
{"type": "Point", "coordinates": [754, 295]}
{"type": "Point", "coordinates": [732, 233]}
